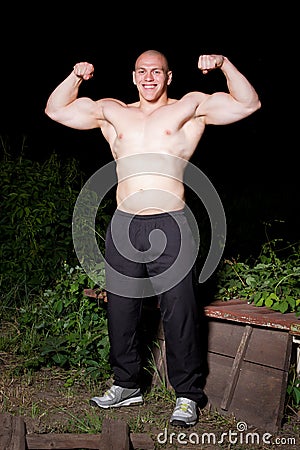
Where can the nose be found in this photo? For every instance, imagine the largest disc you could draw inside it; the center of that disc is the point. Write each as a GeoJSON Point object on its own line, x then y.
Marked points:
{"type": "Point", "coordinates": [149, 76]}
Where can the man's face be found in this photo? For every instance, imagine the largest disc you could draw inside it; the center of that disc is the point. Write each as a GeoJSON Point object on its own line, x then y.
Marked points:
{"type": "Point", "coordinates": [151, 76]}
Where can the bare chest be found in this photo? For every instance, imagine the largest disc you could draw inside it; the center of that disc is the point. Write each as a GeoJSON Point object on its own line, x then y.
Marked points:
{"type": "Point", "coordinates": [171, 133]}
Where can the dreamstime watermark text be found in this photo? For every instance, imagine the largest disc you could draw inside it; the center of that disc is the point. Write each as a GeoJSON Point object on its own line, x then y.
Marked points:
{"type": "Point", "coordinates": [240, 436]}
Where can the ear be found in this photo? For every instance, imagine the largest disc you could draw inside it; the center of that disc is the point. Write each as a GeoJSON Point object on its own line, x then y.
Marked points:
{"type": "Point", "coordinates": [133, 77]}
{"type": "Point", "coordinates": [170, 74]}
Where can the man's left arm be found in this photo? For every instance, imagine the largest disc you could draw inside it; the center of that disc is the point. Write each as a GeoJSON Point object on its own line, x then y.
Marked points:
{"type": "Point", "coordinates": [242, 100]}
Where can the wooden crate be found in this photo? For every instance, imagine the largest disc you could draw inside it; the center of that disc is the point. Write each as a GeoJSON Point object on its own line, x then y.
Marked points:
{"type": "Point", "coordinates": [248, 355]}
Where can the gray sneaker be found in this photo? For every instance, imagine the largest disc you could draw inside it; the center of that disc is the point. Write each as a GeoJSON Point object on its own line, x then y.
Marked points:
{"type": "Point", "coordinates": [118, 396]}
{"type": "Point", "coordinates": [185, 413]}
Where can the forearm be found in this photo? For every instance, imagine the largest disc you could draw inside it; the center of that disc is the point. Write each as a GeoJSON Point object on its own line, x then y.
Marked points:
{"type": "Point", "coordinates": [238, 85]}
{"type": "Point", "coordinates": [64, 94]}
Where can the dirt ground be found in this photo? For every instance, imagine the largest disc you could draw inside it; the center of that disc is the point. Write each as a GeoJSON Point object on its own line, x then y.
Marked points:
{"type": "Point", "coordinates": [49, 403]}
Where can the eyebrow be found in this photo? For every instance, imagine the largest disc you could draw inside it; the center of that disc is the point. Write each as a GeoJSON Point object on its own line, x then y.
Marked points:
{"type": "Point", "coordinates": [154, 68]}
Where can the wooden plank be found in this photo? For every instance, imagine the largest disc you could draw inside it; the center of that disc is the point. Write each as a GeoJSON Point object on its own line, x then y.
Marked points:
{"type": "Point", "coordinates": [236, 366]}
{"type": "Point", "coordinates": [160, 331]}
{"type": "Point", "coordinates": [160, 371]}
{"type": "Point", "coordinates": [259, 396]}
{"type": "Point", "coordinates": [241, 311]}
{"type": "Point", "coordinates": [74, 441]}
{"type": "Point", "coordinates": [223, 338]}
{"type": "Point", "coordinates": [12, 432]}
{"type": "Point", "coordinates": [115, 435]}
{"type": "Point", "coordinates": [216, 382]}
{"type": "Point", "coordinates": [142, 441]}
{"type": "Point", "coordinates": [51, 441]}
{"type": "Point", "coordinates": [269, 347]}
{"type": "Point", "coordinates": [91, 293]}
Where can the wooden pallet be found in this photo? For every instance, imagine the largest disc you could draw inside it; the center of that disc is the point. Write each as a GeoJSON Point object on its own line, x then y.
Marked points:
{"type": "Point", "coordinates": [115, 435]}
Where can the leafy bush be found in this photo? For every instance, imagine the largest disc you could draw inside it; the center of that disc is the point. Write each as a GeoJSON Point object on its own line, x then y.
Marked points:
{"type": "Point", "coordinates": [37, 202]}
{"type": "Point", "coordinates": [65, 328]}
{"type": "Point", "coordinates": [269, 281]}
{"type": "Point", "coordinates": [36, 223]}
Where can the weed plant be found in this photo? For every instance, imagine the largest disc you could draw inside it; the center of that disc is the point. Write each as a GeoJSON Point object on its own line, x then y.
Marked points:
{"type": "Point", "coordinates": [270, 280]}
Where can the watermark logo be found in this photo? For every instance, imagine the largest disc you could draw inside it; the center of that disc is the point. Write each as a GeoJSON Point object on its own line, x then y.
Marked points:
{"type": "Point", "coordinates": [239, 436]}
{"type": "Point", "coordinates": [165, 171]}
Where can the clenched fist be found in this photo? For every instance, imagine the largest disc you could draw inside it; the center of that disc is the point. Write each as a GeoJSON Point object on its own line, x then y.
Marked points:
{"type": "Point", "coordinates": [210, 62]}
{"type": "Point", "coordinates": [84, 70]}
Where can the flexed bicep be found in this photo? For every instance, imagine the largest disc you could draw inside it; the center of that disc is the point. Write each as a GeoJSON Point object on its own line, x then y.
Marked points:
{"type": "Point", "coordinates": [82, 114]}
{"type": "Point", "coordinates": [65, 107]}
{"type": "Point", "coordinates": [221, 109]}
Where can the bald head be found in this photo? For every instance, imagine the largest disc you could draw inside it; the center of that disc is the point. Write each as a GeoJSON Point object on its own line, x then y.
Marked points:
{"type": "Point", "coordinates": [151, 56]}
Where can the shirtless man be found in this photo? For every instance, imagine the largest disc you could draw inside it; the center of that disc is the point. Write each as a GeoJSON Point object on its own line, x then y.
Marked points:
{"type": "Point", "coordinates": [151, 141]}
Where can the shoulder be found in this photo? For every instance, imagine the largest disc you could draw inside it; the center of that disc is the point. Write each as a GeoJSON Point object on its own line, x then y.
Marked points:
{"type": "Point", "coordinates": [109, 106]}
{"type": "Point", "coordinates": [110, 102]}
{"type": "Point", "coordinates": [195, 96]}
{"type": "Point", "coordinates": [193, 100]}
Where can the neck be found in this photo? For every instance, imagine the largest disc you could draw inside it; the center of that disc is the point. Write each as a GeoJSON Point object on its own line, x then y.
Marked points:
{"type": "Point", "coordinates": [151, 105]}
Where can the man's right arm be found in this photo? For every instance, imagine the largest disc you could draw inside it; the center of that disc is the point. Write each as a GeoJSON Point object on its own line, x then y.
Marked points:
{"type": "Point", "coordinates": [64, 106]}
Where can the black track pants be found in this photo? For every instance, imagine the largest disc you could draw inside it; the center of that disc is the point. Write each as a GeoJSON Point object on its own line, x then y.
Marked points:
{"type": "Point", "coordinates": [161, 255]}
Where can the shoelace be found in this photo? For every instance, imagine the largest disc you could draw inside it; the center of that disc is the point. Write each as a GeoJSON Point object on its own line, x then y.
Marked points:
{"type": "Point", "coordinates": [109, 392]}
{"type": "Point", "coordinates": [184, 407]}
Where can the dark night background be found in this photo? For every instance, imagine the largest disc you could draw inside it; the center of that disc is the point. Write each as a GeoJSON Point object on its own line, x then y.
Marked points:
{"type": "Point", "coordinates": [40, 47]}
